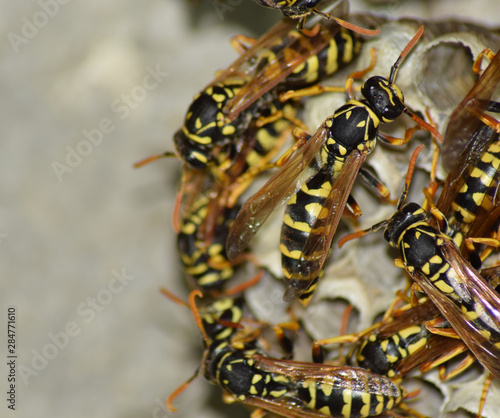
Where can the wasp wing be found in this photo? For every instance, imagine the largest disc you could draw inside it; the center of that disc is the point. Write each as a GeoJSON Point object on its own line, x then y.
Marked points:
{"type": "Point", "coordinates": [302, 374]}
{"type": "Point", "coordinates": [284, 407]}
{"type": "Point", "coordinates": [485, 350]}
{"type": "Point", "coordinates": [274, 193]}
{"type": "Point", "coordinates": [341, 376]}
{"type": "Point", "coordinates": [478, 287]}
{"type": "Point", "coordinates": [317, 245]}
{"type": "Point", "coordinates": [278, 55]}
{"type": "Point", "coordinates": [248, 62]}
{"type": "Point", "coordinates": [295, 51]}
{"type": "Point", "coordinates": [464, 120]}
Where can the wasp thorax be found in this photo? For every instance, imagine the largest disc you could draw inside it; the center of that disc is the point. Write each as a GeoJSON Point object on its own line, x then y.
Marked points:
{"type": "Point", "coordinates": [384, 98]}
{"type": "Point", "coordinates": [401, 220]}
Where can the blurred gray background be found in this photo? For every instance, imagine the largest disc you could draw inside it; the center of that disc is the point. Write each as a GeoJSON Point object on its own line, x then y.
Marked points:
{"type": "Point", "coordinates": [87, 89]}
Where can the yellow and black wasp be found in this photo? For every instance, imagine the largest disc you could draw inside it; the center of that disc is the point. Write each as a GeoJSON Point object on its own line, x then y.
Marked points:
{"type": "Point", "coordinates": [404, 342]}
{"type": "Point", "coordinates": [301, 9]}
{"type": "Point", "coordinates": [401, 342]}
{"type": "Point", "coordinates": [409, 337]}
{"type": "Point", "coordinates": [330, 161]}
{"type": "Point", "coordinates": [470, 200]}
{"type": "Point", "coordinates": [283, 58]}
{"type": "Point", "coordinates": [207, 203]}
{"type": "Point", "coordinates": [464, 298]}
{"type": "Point", "coordinates": [285, 387]}
{"type": "Point", "coordinates": [470, 305]}
{"type": "Point", "coordinates": [200, 242]}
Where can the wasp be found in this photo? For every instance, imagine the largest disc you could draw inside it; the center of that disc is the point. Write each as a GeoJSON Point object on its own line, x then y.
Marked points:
{"type": "Point", "coordinates": [288, 388]}
{"type": "Point", "coordinates": [298, 389]}
{"type": "Point", "coordinates": [399, 343]}
{"type": "Point", "coordinates": [329, 161]}
{"type": "Point", "coordinates": [281, 59]}
{"type": "Point", "coordinates": [409, 337]}
{"type": "Point", "coordinates": [433, 261]}
{"type": "Point", "coordinates": [208, 203]}
{"type": "Point", "coordinates": [412, 337]}
{"type": "Point", "coordinates": [396, 340]}
{"type": "Point", "coordinates": [301, 9]}
{"type": "Point", "coordinates": [203, 257]}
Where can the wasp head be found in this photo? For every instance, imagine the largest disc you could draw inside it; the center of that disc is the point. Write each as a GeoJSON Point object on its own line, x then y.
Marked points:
{"type": "Point", "coordinates": [399, 222]}
{"type": "Point", "coordinates": [385, 99]}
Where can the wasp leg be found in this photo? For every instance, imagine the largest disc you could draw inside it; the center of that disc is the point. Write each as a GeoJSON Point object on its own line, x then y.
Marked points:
{"type": "Point", "coordinates": [246, 285]}
{"type": "Point", "coordinates": [317, 347]}
{"type": "Point", "coordinates": [315, 90]}
{"type": "Point", "coordinates": [486, 387]}
{"type": "Point", "coordinates": [375, 184]}
{"type": "Point", "coordinates": [475, 259]}
{"type": "Point", "coordinates": [476, 66]}
{"type": "Point", "coordinates": [409, 410]}
{"type": "Point", "coordinates": [241, 43]}
{"type": "Point", "coordinates": [307, 32]}
{"type": "Point", "coordinates": [179, 390]}
{"type": "Point", "coordinates": [357, 75]}
{"type": "Point", "coordinates": [431, 190]}
{"type": "Point", "coordinates": [258, 413]}
{"type": "Point", "coordinates": [489, 120]}
{"type": "Point", "coordinates": [434, 326]}
{"type": "Point", "coordinates": [352, 208]}
{"type": "Point", "coordinates": [264, 120]}
{"type": "Point", "coordinates": [443, 358]}
{"type": "Point", "coordinates": [398, 141]}
{"type": "Point", "coordinates": [459, 368]}
{"type": "Point", "coordinates": [285, 342]}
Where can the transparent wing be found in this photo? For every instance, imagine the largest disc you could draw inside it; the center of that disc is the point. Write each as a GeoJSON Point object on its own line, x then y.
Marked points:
{"type": "Point", "coordinates": [283, 407]}
{"type": "Point", "coordinates": [296, 49]}
{"type": "Point", "coordinates": [247, 62]}
{"type": "Point", "coordinates": [343, 377]}
{"type": "Point", "coordinates": [464, 120]}
{"type": "Point", "coordinates": [277, 54]}
{"type": "Point", "coordinates": [274, 193]}
{"type": "Point", "coordinates": [487, 353]}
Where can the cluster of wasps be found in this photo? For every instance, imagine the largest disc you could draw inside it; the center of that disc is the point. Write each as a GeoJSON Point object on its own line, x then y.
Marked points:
{"type": "Point", "coordinates": [236, 130]}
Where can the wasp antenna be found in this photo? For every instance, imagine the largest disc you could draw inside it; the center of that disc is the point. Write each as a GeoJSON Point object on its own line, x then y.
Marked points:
{"type": "Point", "coordinates": [409, 175]}
{"type": "Point", "coordinates": [168, 294]}
{"type": "Point", "coordinates": [180, 389]}
{"type": "Point", "coordinates": [360, 234]}
{"type": "Point", "coordinates": [347, 25]}
{"type": "Point", "coordinates": [152, 158]}
{"type": "Point", "coordinates": [376, 227]}
{"type": "Point", "coordinates": [404, 53]}
{"type": "Point", "coordinates": [196, 313]}
{"type": "Point", "coordinates": [427, 126]}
